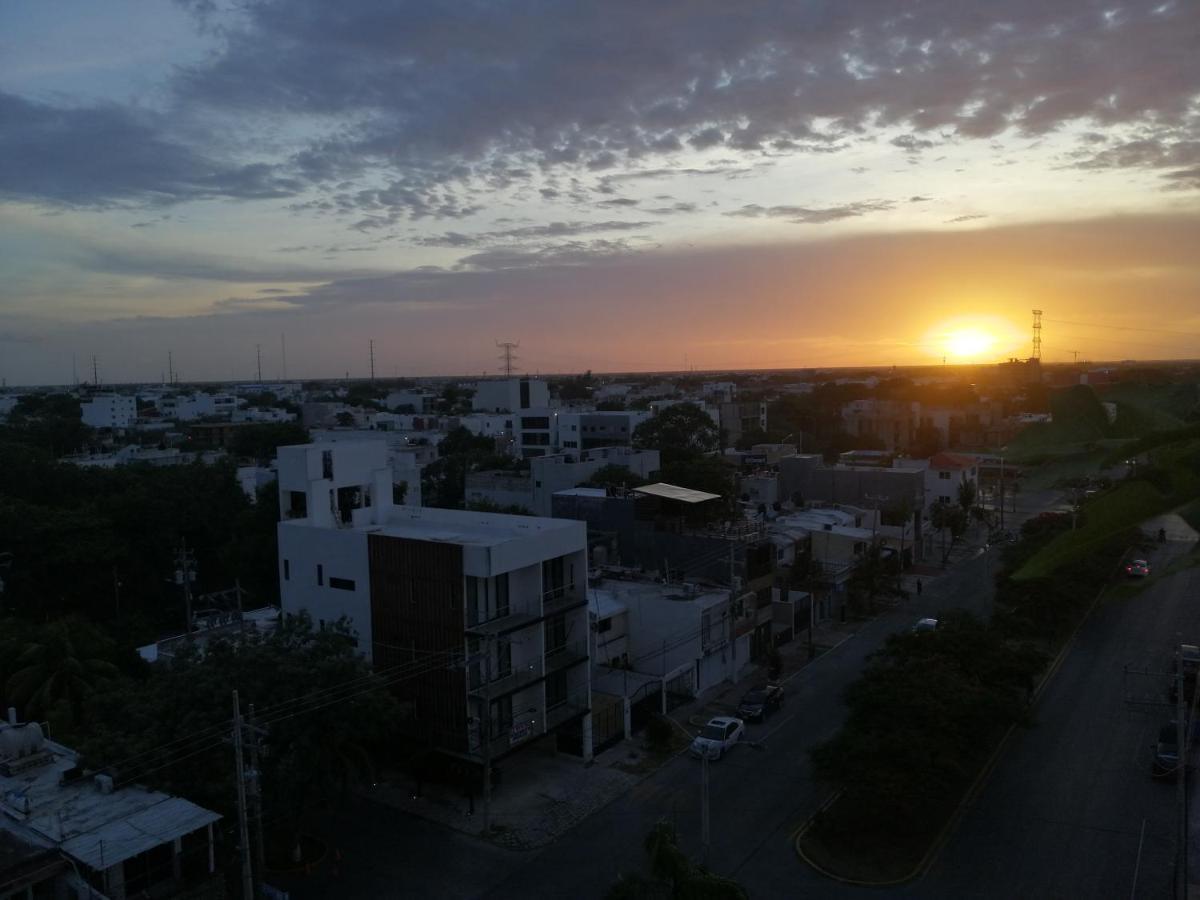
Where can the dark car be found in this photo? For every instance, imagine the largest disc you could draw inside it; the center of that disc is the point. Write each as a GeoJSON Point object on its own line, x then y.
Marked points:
{"type": "Point", "coordinates": [760, 702]}
{"type": "Point", "coordinates": [1166, 752]}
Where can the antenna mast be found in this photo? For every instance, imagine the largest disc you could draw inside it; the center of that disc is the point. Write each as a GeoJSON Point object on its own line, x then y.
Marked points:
{"type": "Point", "coordinates": [1037, 335]}
{"type": "Point", "coordinates": [371, 350]}
{"type": "Point", "coordinates": [258, 359]}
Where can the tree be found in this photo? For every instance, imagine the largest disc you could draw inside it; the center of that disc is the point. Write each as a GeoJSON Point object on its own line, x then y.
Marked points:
{"type": "Point", "coordinates": [614, 475]}
{"type": "Point", "coordinates": [443, 482]}
{"type": "Point", "coordinates": [949, 520]}
{"type": "Point", "coordinates": [345, 419]}
{"type": "Point", "coordinates": [673, 875]}
{"type": "Point", "coordinates": [321, 737]}
{"type": "Point", "coordinates": [680, 432]}
{"type": "Point", "coordinates": [262, 442]}
{"type": "Point", "coordinates": [60, 667]}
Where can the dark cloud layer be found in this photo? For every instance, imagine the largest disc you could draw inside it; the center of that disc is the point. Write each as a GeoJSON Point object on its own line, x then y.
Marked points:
{"type": "Point", "coordinates": [803, 215]}
{"type": "Point", "coordinates": [442, 101]}
{"type": "Point", "coordinates": [108, 155]}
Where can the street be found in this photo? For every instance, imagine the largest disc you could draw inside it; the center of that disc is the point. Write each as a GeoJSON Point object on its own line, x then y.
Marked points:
{"type": "Point", "coordinates": [1061, 815]}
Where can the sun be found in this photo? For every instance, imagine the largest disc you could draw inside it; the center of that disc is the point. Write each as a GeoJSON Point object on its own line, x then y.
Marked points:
{"type": "Point", "coordinates": [967, 343]}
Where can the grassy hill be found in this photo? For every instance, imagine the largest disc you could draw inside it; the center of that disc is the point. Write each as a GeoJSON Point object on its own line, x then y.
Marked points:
{"type": "Point", "coordinates": [1170, 480]}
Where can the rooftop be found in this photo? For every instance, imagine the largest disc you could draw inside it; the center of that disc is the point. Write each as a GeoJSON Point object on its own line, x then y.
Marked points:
{"type": "Point", "coordinates": [54, 803]}
{"type": "Point", "coordinates": [455, 526]}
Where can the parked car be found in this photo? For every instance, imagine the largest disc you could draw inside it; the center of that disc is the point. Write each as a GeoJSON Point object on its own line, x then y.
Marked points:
{"type": "Point", "coordinates": [1166, 752]}
{"type": "Point", "coordinates": [1137, 568]}
{"type": "Point", "coordinates": [718, 737]}
{"type": "Point", "coordinates": [925, 625]}
{"type": "Point", "coordinates": [760, 702]}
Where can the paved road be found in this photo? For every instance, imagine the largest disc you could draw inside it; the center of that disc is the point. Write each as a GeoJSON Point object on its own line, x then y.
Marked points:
{"type": "Point", "coordinates": [1062, 814]}
{"type": "Point", "coordinates": [758, 798]}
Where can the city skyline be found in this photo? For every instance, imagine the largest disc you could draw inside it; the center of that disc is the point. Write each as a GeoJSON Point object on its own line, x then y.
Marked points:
{"type": "Point", "coordinates": [622, 189]}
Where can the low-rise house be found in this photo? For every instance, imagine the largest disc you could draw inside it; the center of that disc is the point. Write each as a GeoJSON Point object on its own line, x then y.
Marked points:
{"type": "Point", "coordinates": [115, 411]}
{"type": "Point", "coordinates": [118, 840]}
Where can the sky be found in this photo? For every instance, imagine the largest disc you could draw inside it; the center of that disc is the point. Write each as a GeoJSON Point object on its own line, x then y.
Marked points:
{"type": "Point", "coordinates": [618, 186]}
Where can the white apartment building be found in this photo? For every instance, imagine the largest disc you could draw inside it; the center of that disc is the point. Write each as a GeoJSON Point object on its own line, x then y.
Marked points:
{"type": "Point", "coordinates": [412, 401]}
{"type": "Point", "coordinates": [682, 634]}
{"type": "Point", "coordinates": [189, 407]}
{"type": "Point", "coordinates": [510, 395]}
{"type": "Point", "coordinates": [405, 458]}
{"type": "Point", "coordinates": [109, 411]}
{"type": "Point", "coordinates": [493, 605]}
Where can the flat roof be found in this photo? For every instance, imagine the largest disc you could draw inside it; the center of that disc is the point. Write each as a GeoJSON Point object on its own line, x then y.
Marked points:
{"type": "Point", "coordinates": [674, 492]}
{"type": "Point", "coordinates": [455, 526]}
{"type": "Point", "coordinates": [94, 828]}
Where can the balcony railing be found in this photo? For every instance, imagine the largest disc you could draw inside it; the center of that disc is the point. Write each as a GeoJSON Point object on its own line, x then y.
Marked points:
{"type": "Point", "coordinates": [560, 599]}
{"type": "Point", "coordinates": [521, 675]}
{"type": "Point", "coordinates": [565, 655]}
{"type": "Point", "coordinates": [512, 620]}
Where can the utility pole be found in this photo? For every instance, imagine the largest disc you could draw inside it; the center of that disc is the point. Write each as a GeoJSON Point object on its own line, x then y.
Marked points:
{"type": "Point", "coordinates": [258, 358]}
{"type": "Point", "coordinates": [485, 732]}
{"type": "Point", "coordinates": [705, 835]}
{"type": "Point", "coordinates": [1182, 740]}
{"type": "Point", "coordinates": [170, 368]}
{"type": "Point", "coordinates": [283, 355]}
{"type": "Point", "coordinates": [371, 352]}
{"type": "Point", "coordinates": [256, 797]}
{"type": "Point", "coordinates": [243, 829]}
{"type": "Point", "coordinates": [185, 575]}
{"type": "Point", "coordinates": [95, 373]}
{"type": "Point", "coordinates": [1002, 492]}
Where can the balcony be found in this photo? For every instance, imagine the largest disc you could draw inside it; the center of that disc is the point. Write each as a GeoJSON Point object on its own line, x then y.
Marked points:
{"type": "Point", "coordinates": [561, 599]}
{"type": "Point", "coordinates": [513, 620]}
{"type": "Point", "coordinates": [521, 675]}
{"type": "Point", "coordinates": [566, 655]}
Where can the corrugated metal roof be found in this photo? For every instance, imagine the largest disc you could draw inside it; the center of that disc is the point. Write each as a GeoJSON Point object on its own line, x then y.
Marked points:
{"type": "Point", "coordinates": [674, 492]}
{"type": "Point", "coordinates": [117, 841]}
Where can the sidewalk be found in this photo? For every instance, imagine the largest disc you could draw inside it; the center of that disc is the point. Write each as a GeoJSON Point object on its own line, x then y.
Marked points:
{"type": "Point", "coordinates": [539, 794]}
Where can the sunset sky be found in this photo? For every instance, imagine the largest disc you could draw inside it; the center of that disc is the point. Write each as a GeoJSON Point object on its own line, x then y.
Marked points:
{"type": "Point", "coordinates": [619, 185]}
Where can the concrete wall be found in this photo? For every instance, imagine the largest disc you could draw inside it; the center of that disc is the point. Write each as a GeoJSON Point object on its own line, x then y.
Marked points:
{"type": "Point", "coordinates": [341, 553]}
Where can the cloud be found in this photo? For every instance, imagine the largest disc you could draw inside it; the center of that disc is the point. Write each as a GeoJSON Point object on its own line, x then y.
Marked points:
{"type": "Point", "coordinates": [527, 232]}
{"type": "Point", "coordinates": [393, 112]}
{"type": "Point", "coordinates": [802, 215]}
{"type": "Point", "coordinates": [966, 218]}
{"type": "Point", "coordinates": [109, 155]}
{"type": "Point", "coordinates": [1168, 149]}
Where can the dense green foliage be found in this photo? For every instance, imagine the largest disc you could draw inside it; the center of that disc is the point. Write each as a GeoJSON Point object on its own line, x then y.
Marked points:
{"type": "Point", "coordinates": [101, 543]}
{"type": "Point", "coordinates": [680, 432]}
{"type": "Point", "coordinates": [443, 482]}
{"type": "Point", "coordinates": [925, 712]}
{"type": "Point", "coordinates": [165, 730]}
{"type": "Point", "coordinates": [613, 475]}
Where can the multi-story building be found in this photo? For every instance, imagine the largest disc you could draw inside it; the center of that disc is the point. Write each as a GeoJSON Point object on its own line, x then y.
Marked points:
{"type": "Point", "coordinates": [109, 411]}
{"type": "Point", "coordinates": [490, 611]}
{"type": "Point", "coordinates": [892, 422]}
{"type": "Point", "coordinates": [601, 428]}
{"type": "Point", "coordinates": [510, 395]}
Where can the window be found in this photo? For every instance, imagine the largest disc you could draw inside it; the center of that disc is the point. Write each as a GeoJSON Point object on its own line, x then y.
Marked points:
{"type": "Point", "coordinates": [556, 689]}
{"type": "Point", "coordinates": [327, 465]}
{"type": "Point", "coordinates": [503, 660]}
{"type": "Point", "coordinates": [287, 570]}
{"type": "Point", "coordinates": [320, 575]}
{"type": "Point", "coordinates": [945, 476]}
{"type": "Point", "coordinates": [342, 584]}
{"type": "Point", "coordinates": [604, 625]}
{"type": "Point", "coordinates": [502, 595]}
{"type": "Point", "coordinates": [472, 600]}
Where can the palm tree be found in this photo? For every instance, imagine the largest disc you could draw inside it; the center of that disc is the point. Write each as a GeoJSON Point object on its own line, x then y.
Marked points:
{"type": "Point", "coordinates": [62, 667]}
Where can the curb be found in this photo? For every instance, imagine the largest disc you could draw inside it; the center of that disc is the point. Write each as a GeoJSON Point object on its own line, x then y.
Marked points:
{"type": "Point", "coordinates": [935, 847]}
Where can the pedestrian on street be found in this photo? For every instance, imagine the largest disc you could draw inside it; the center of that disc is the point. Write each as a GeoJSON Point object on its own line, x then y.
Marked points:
{"type": "Point", "coordinates": [919, 587]}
